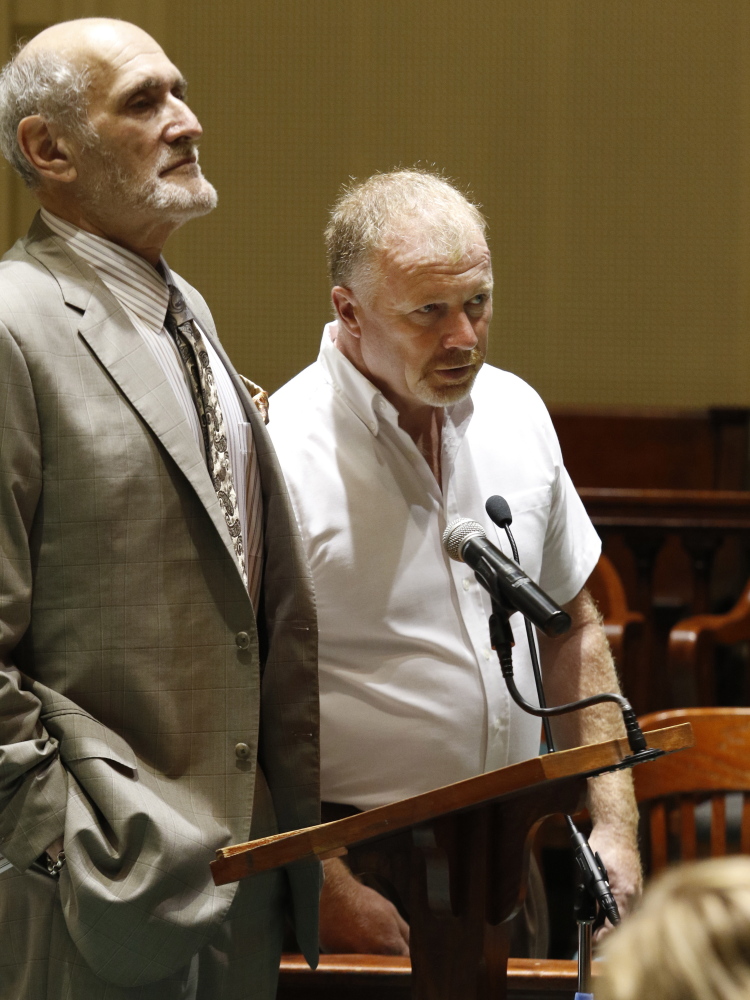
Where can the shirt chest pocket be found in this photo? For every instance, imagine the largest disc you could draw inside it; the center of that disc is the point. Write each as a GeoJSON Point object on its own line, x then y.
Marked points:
{"type": "Point", "coordinates": [531, 512]}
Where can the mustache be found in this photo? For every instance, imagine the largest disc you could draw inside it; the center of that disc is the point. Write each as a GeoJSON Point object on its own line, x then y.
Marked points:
{"type": "Point", "coordinates": [458, 359]}
{"type": "Point", "coordinates": [179, 150]}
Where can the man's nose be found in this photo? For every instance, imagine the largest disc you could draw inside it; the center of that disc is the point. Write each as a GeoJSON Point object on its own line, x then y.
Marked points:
{"type": "Point", "coordinates": [460, 332]}
{"type": "Point", "coordinates": [184, 123]}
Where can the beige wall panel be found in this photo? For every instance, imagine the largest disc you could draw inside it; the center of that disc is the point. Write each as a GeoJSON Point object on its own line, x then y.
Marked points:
{"type": "Point", "coordinates": [608, 141]}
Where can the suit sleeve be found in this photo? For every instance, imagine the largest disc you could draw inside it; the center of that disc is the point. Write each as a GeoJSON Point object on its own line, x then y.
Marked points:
{"type": "Point", "coordinates": [33, 783]}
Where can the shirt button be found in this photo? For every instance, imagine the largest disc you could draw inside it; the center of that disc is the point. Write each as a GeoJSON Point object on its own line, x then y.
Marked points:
{"type": "Point", "coordinates": [242, 639]}
{"type": "Point", "coordinates": [242, 751]}
{"type": "Point", "coordinates": [466, 584]}
{"type": "Point", "coordinates": [486, 653]}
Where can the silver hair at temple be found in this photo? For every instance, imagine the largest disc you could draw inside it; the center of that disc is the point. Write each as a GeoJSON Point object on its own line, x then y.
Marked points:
{"type": "Point", "coordinates": [45, 84]}
{"type": "Point", "coordinates": [371, 215]}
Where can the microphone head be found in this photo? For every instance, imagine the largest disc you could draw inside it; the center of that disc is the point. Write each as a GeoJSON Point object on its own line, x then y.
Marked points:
{"type": "Point", "coordinates": [458, 532]}
{"type": "Point", "coordinates": [498, 509]}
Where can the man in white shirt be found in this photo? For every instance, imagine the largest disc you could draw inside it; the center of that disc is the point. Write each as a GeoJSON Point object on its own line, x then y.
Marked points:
{"type": "Point", "coordinates": [152, 583]}
{"type": "Point", "coordinates": [394, 432]}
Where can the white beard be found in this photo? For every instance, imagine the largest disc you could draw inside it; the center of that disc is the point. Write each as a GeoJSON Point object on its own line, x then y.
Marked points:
{"type": "Point", "coordinates": [107, 185]}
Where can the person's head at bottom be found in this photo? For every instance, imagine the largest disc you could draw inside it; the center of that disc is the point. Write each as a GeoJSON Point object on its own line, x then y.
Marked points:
{"type": "Point", "coordinates": [689, 939]}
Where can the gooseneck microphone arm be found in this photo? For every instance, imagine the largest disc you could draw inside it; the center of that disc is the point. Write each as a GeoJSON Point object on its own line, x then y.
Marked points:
{"type": "Point", "coordinates": [498, 509]}
{"type": "Point", "coordinates": [502, 641]}
{"type": "Point", "coordinates": [511, 590]}
{"type": "Point", "coordinates": [595, 888]}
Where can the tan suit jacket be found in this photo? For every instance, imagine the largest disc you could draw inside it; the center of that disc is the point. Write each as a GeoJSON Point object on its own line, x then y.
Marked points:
{"type": "Point", "coordinates": [132, 664]}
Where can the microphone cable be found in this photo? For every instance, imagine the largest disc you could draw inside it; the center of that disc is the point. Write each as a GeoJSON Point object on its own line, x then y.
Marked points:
{"type": "Point", "coordinates": [593, 874]}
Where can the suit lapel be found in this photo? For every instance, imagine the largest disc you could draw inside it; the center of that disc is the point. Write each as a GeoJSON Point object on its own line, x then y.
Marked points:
{"type": "Point", "coordinates": [121, 350]}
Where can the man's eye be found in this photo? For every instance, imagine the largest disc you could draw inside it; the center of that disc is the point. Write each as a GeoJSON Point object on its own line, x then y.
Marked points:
{"type": "Point", "coordinates": [478, 300]}
{"type": "Point", "coordinates": [428, 308]}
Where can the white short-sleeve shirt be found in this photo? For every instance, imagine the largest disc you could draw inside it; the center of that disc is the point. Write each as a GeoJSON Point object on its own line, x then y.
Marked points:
{"type": "Point", "coordinates": [411, 693]}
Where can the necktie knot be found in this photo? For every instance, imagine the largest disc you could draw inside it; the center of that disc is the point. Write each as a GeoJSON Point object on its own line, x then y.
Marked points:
{"type": "Point", "coordinates": [177, 307]}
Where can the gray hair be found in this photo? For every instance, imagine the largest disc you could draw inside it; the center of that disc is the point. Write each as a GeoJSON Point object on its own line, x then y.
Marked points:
{"type": "Point", "coordinates": [46, 84]}
{"type": "Point", "coordinates": [372, 215]}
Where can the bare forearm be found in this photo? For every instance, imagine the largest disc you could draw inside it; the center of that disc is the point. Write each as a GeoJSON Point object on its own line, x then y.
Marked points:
{"type": "Point", "coordinates": [576, 666]}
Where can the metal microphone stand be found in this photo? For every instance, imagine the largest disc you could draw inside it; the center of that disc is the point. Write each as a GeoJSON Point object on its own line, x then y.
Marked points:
{"type": "Point", "coordinates": [587, 915]}
{"type": "Point", "coordinates": [594, 898]}
{"type": "Point", "coordinates": [595, 894]}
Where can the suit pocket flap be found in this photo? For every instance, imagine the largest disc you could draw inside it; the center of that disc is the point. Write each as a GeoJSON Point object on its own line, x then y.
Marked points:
{"type": "Point", "coordinates": [81, 737]}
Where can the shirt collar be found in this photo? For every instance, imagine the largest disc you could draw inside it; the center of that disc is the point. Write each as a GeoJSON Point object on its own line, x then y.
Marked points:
{"type": "Point", "coordinates": [363, 398]}
{"type": "Point", "coordinates": [136, 285]}
{"type": "Point", "coordinates": [359, 394]}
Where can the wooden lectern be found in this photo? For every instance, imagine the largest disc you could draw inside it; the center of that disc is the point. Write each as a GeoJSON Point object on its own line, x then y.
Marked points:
{"type": "Point", "coordinates": [458, 856]}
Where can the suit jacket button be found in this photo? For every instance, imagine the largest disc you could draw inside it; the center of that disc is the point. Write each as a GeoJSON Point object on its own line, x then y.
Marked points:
{"type": "Point", "coordinates": [242, 751]}
{"type": "Point", "coordinates": [242, 639]}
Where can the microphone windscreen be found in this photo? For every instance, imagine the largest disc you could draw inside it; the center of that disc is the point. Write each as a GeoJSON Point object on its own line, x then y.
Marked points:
{"type": "Point", "coordinates": [498, 509]}
{"type": "Point", "coordinates": [457, 533]}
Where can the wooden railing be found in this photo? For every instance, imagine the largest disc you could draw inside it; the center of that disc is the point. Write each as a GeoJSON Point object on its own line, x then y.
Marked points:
{"type": "Point", "coordinates": [664, 545]}
{"type": "Point", "coordinates": [645, 519]}
{"type": "Point", "coordinates": [383, 977]}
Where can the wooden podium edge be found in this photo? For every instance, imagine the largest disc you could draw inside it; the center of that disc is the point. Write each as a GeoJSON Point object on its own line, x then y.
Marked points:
{"type": "Point", "coordinates": [328, 839]}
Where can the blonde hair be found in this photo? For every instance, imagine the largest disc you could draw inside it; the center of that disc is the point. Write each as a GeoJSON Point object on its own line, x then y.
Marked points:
{"type": "Point", "coordinates": [688, 940]}
{"type": "Point", "coordinates": [372, 215]}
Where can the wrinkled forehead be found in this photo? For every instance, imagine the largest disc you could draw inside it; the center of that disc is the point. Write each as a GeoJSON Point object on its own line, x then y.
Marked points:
{"type": "Point", "coordinates": [444, 251]}
{"type": "Point", "coordinates": [115, 74]}
{"type": "Point", "coordinates": [115, 54]}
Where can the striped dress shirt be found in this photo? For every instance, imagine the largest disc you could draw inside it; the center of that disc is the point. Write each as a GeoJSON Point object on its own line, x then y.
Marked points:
{"type": "Point", "coordinates": [142, 292]}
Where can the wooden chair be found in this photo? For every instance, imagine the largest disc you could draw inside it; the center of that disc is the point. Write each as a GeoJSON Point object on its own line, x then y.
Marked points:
{"type": "Point", "coordinates": [691, 650]}
{"type": "Point", "coordinates": [683, 797]}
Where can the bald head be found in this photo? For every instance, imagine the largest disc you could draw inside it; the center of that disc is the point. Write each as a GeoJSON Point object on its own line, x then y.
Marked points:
{"type": "Point", "coordinates": [84, 38]}
{"type": "Point", "coordinates": [99, 46]}
{"type": "Point", "coordinates": [94, 117]}
{"type": "Point", "coordinates": [54, 75]}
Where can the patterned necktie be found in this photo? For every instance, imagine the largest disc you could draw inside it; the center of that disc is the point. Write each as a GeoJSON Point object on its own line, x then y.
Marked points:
{"type": "Point", "coordinates": [181, 325]}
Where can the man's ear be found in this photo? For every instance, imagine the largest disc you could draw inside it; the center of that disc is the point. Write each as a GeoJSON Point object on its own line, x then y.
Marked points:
{"type": "Point", "coordinates": [347, 308]}
{"type": "Point", "coordinates": [47, 152]}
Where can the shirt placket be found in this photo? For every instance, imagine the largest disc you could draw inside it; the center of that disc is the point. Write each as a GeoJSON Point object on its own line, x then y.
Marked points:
{"type": "Point", "coordinates": [475, 608]}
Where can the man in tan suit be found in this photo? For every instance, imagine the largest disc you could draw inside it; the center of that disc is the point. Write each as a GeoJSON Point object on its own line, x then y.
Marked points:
{"type": "Point", "coordinates": [158, 692]}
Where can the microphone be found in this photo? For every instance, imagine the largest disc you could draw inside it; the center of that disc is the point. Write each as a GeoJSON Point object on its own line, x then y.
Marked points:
{"type": "Point", "coordinates": [593, 874]}
{"type": "Point", "coordinates": [499, 510]}
{"type": "Point", "coordinates": [466, 541]}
